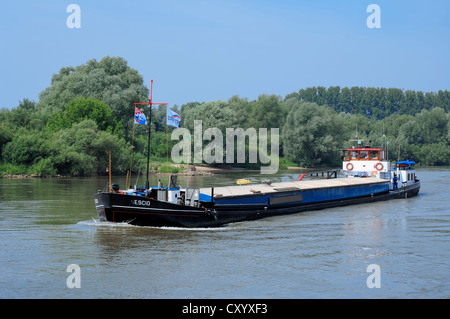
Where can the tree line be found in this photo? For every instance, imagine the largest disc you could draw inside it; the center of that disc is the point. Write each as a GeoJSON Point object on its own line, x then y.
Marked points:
{"type": "Point", "coordinates": [88, 111]}
{"type": "Point", "coordinates": [378, 103]}
{"type": "Point", "coordinates": [312, 134]}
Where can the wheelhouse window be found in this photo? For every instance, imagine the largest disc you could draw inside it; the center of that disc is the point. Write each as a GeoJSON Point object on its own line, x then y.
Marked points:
{"type": "Point", "coordinates": [374, 155]}
{"type": "Point", "coordinates": [363, 154]}
{"type": "Point", "coordinates": [346, 156]}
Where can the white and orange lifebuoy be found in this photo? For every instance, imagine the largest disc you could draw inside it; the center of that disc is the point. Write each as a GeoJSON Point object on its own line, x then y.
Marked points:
{"type": "Point", "coordinates": [379, 166]}
{"type": "Point", "coordinates": [349, 166]}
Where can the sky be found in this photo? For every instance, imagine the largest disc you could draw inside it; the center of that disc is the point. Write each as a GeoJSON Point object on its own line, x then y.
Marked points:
{"type": "Point", "coordinates": [211, 50]}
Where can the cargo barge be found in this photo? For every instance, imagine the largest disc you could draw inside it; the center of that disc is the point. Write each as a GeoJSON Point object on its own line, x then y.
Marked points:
{"type": "Point", "coordinates": [368, 177]}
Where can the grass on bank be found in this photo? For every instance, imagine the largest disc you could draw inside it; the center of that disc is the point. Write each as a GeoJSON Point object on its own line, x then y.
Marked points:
{"type": "Point", "coordinates": [41, 168]}
{"type": "Point", "coordinates": [160, 165]}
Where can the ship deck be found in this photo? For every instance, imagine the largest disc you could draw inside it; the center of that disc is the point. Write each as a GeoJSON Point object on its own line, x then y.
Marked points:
{"type": "Point", "coordinates": [253, 189]}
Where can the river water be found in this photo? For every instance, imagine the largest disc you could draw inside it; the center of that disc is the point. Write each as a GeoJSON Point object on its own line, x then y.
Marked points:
{"type": "Point", "coordinates": [48, 224]}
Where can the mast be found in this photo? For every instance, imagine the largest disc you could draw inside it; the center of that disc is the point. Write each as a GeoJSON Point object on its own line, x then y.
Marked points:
{"type": "Point", "coordinates": [150, 104]}
{"type": "Point", "coordinates": [147, 183]}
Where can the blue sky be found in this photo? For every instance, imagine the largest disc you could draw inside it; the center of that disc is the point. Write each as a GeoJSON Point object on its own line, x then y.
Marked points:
{"type": "Point", "coordinates": [210, 50]}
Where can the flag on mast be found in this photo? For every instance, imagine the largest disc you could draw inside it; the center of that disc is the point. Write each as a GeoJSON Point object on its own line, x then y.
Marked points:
{"type": "Point", "coordinates": [173, 118]}
{"type": "Point", "coordinates": [139, 116]}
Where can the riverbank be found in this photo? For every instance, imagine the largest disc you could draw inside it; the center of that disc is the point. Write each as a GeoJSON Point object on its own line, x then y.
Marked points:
{"type": "Point", "coordinates": [29, 176]}
{"type": "Point", "coordinates": [159, 166]}
{"type": "Point", "coordinates": [187, 170]}
{"type": "Point", "coordinates": [176, 169]}
{"type": "Point", "coordinates": [180, 170]}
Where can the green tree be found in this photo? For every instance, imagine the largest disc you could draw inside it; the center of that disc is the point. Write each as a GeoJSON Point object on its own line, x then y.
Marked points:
{"type": "Point", "coordinates": [333, 96]}
{"type": "Point", "coordinates": [374, 102]}
{"type": "Point", "coordinates": [266, 112]}
{"type": "Point", "coordinates": [434, 154]}
{"type": "Point", "coordinates": [344, 101]}
{"type": "Point", "coordinates": [433, 125]}
{"type": "Point", "coordinates": [26, 147]}
{"type": "Point", "coordinates": [111, 81]}
{"type": "Point", "coordinates": [241, 108]}
{"type": "Point", "coordinates": [312, 134]}
{"type": "Point", "coordinates": [22, 115]}
{"type": "Point", "coordinates": [25, 115]}
{"type": "Point", "coordinates": [6, 133]}
{"type": "Point", "coordinates": [83, 150]}
{"type": "Point", "coordinates": [357, 126]}
{"type": "Point", "coordinates": [81, 109]}
{"type": "Point", "coordinates": [214, 114]}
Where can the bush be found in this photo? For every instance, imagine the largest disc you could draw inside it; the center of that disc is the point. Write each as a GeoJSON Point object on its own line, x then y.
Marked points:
{"type": "Point", "coordinates": [83, 149]}
{"type": "Point", "coordinates": [27, 148]}
{"type": "Point", "coordinates": [11, 169]}
{"type": "Point", "coordinates": [81, 109]}
{"type": "Point", "coordinates": [44, 168]}
{"type": "Point", "coordinates": [435, 154]}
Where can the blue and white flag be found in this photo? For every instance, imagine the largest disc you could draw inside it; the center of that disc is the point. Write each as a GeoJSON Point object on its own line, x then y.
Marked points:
{"type": "Point", "coordinates": [173, 118]}
{"type": "Point", "coordinates": [139, 117]}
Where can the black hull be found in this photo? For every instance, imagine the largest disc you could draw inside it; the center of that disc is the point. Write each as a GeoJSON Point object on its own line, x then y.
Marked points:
{"type": "Point", "coordinates": [141, 211]}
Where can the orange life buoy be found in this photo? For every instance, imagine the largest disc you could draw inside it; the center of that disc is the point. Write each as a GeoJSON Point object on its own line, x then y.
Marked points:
{"type": "Point", "coordinates": [349, 166]}
{"type": "Point", "coordinates": [379, 166]}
